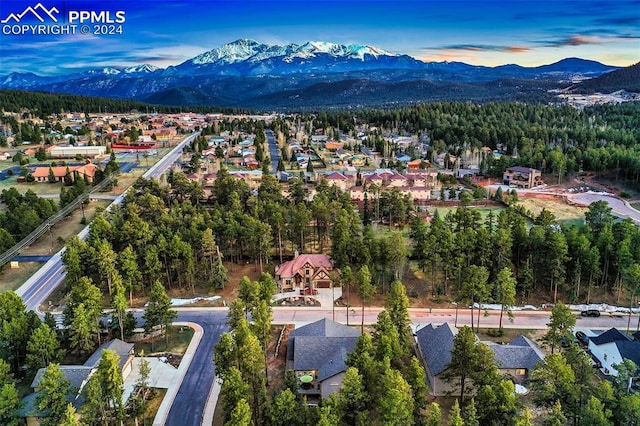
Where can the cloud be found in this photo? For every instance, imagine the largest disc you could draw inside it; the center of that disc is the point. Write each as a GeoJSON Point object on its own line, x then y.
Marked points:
{"type": "Point", "coordinates": [573, 40]}
{"type": "Point", "coordinates": [583, 39]}
{"type": "Point", "coordinates": [619, 20]}
{"type": "Point", "coordinates": [480, 48]}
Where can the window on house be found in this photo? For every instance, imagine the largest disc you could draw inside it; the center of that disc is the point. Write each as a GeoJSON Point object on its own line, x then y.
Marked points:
{"type": "Point", "coordinates": [521, 372]}
{"type": "Point", "coordinates": [306, 272]}
{"type": "Point", "coordinates": [288, 282]}
{"type": "Point", "coordinates": [307, 280]}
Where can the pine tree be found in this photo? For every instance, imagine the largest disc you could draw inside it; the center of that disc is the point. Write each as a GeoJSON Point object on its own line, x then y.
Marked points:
{"type": "Point", "coordinates": [470, 415]}
{"type": "Point", "coordinates": [455, 419]}
{"type": "Point", "coordinates": [434, 415]}
{"type": "Point", "coordinates": [52, 176]}
{"type": "Point", "coordinates": [53, 395]}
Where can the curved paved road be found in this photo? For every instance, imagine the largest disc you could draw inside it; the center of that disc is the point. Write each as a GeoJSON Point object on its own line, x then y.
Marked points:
{"type": "Point", "coordinates": [619, 207]}
{"type": "Point", "coordinates": [191, 399]}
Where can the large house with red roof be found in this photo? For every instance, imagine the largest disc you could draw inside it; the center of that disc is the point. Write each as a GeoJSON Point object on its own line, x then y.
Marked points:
{"type": "Point", "coordinates": [305, 270]}
{"type": "Point", "coordinates": [88, 171]}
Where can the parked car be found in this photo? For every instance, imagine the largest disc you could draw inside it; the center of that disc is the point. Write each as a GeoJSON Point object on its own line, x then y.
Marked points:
{"type": "Point", "coordinates": [308, 291]}
{"type": "Point", "coordinates": [582, 338]}
{"type": "Point", "coordinates": [590, 313]}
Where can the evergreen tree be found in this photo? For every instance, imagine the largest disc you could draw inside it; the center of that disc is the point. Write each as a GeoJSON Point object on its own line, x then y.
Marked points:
{"type": "Point", "coordinates": [241, 415]}
{"type": "Point", "coordinates": [43, 348]}
{"type": "Point", "coordinates": [455, 419]}
{"type": "Point", "coordinates": [159, 312]}
{"type": "Point", "coordinates": [10, 405]}
{"type": "Point", "coordinates": [70, 417]}
{"type": "Point", "coordinates": [434, 415]}
{"type": "Point", "coordinates": [52, 176]}
{"type": "Point", "coordinates": [52, 398]}
{"type": "Point", "coordinates": [470, 415]}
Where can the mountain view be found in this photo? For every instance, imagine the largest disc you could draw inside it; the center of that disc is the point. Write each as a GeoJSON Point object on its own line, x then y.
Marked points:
{"type": "Point", "coordinates": [248, 73]}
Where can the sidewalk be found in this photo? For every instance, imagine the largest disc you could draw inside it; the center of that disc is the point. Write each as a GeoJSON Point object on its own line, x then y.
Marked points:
{"type": "Point", "coordinates": [176, 381]}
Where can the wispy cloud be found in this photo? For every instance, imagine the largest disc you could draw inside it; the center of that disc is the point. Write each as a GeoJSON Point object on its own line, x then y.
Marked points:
{"type": "Point", "coordinates": [479, 48]}
{"type": "Point", "coordinates": [588, 39]}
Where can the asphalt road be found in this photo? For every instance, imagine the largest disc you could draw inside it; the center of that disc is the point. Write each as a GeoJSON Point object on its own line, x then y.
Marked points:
{"type": "Point", "coordinates": [274, 151]}
{"type": "Point", "coordinates": [618, 206]}
{"type": "Point", "coordinates": [188, 406]}
{"type": "Point", "coordinates": [422, 316]}
{"type": "Point", "coordinates": [36, 289]}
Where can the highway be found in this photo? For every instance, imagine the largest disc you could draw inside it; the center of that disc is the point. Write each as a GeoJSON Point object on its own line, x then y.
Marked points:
{"type": "Point", "coordinates": [37, 288]}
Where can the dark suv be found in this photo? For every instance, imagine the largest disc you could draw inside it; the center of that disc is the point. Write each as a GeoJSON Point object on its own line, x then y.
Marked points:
{"type": "Point", "coordinates": [590, 313]}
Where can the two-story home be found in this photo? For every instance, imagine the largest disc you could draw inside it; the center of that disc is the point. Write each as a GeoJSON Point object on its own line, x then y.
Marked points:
{"type": "Point", "coordinates": [522, 177]}
{"type": "Point", "coordinates": [612, 347]}
{"type": "Point", "coordinates": [305, 270]}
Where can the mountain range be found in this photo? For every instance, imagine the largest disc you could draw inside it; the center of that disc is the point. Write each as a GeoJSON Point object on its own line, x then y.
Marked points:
{"type": "Point", "coordinates": [246, 73]}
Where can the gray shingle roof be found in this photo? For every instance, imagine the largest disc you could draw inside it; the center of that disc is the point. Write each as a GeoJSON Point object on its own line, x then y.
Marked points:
{"type": "Point", "coordinates": [123, 349]}
{"type": "Point", "coordinates": [327, 355]}
{"type": "Point", "coordinates": [629, 350]}
{"type": "Point", "coordinates": [321, 328]}
{"type": "Point", "coordinates": [436, 344]}
{"type": "Point", "coordinates": [322, 346]}
{"type": "Point", "coordinates": [75, 374]}
{"type": "Point", "coordinates": [611, 335]}
{"type": "Point", "coordinates": [509, 356]}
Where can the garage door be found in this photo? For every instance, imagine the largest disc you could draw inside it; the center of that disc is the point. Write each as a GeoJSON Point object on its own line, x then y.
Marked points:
{"type": "Point", "coordinates": [323, 284]}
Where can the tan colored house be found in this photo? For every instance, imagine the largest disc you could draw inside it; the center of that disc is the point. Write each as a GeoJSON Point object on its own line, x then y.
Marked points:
{"type": "Point", "coordinates": [522, 177]}
{"type": "Point", "coordinates": [305, 270]}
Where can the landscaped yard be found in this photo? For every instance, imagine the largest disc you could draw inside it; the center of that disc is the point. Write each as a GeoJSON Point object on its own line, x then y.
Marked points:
{"type": "Point", "coordinates": [176, 344]}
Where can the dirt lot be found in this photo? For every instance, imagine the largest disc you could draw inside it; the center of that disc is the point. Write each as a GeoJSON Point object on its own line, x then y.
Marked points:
{"type": "Point", "coordinates": [556, 205]}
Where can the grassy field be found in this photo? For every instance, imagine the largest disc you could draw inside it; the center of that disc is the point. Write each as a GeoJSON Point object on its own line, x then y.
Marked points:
{"type": "Point", "coordinates": [563, 212]}
{"type": "Point", "coordinates": [179, 339]}
{"type": "Point", "coordinates": [484, 211]}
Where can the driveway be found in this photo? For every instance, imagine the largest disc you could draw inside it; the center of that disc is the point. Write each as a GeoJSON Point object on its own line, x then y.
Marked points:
{"type": "Point", "coordinates": [325, 296]}
{"type": "Point", "coordinates": [162, 375]}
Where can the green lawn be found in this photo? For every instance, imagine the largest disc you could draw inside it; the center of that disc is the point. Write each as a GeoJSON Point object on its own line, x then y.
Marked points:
{"type": "Point", "coordinates": [484, 211]}
{"type": "Point", "coordinates": [179, 339]}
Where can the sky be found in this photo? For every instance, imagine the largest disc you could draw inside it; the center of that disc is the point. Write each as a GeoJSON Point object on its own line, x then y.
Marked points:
{"type": "Point", "coordinates": [168, 32]}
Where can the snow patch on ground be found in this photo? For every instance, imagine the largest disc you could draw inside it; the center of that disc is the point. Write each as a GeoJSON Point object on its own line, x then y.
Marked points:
{"type": "Point", "coordinates": [182, 302]}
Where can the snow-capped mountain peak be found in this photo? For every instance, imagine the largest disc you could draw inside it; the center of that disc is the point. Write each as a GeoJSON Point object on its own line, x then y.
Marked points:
{"type": "Point", "coordinates": [140, 68]}
{"type": "Point", "coordinates": [239, 50]}
{"type": "Point", "coordinates": [253, 52]}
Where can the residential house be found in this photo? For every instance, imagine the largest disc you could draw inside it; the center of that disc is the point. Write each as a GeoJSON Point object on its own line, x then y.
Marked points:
{"type": "Point", "coordinates": [317, 354]}
{"type": "Point", "coordinates": [516, 359]}
{"type": "Point", "coordinates": [305, 270]}
{"type": "Point", "coordinates": [434, 345]}
{"type": "Point", "coordinates": [612, 347]}
{"type": "Point", "coordinates": [78, 376]}
{"type": "Point", "coordinates": [522, 177]}
{"type": "Point", "coordinates": [339, 180]}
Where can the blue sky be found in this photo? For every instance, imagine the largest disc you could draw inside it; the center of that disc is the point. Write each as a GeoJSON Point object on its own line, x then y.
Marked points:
{"type": "Point", "coordinates": [479, 32]}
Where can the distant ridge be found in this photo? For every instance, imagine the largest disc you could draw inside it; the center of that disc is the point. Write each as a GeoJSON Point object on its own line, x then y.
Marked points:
{"type": "Point", "coordinates": [247, 73]}
{"type": "Point", "coordinates": [627, 79]}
